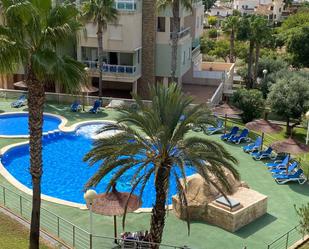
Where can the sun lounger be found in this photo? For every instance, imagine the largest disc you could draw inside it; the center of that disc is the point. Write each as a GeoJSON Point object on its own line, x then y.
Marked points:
{"type": "Point", "coordinates": [253, 146]}
{"type": "Point", "coordinates": [280, 170]}
{"type": "Point", "coordinates": [242, 137]}
{"type": "Point", "coordinates": [96, 106]}
{"type": "Point", "coordinates": [214, 129]}
{"type": "Point", "coordinates": [279, 163]}
{"type": "Point", "coordinates": [231, 134]}
{"type": "Point", "coordinates": [297, 176]}
{"type": "Point", "coordinates": [75, 107]}
{"type": "Point", "coordinates": [259, 155]}
{"type": "Point", "coordinates": [20, 102]}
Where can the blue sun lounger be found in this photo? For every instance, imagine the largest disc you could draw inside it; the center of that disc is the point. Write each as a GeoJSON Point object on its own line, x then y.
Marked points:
{"type": "Point", "coordinates": [214, 129]}
{"type": "Point", "coordinates": [291, 167]}
{"type": "Point", "coordinates": [259, 155]}
{"type": "Point", "coordinates": [231, 134]}
{"type": "Point", "coordinates": [96, 106]}
{"type": "Point", "coordinates": [242, 137]}
{"type": "Point", "coordinates": [297, 176]}
{"type": "Point", "coordinates": [75, 107]}
{"type": "Point", "coordinates": [253, 146]}
{"type": "Point", "coordinates": [279, 163]}
{"type": "Point", "coordinates": [20, 102]}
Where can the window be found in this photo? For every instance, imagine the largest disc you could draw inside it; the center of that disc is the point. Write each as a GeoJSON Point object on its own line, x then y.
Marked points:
{"type": "Point", "coordinates": [279, 9]}
{"type": "Point", "coordinates": [275, 16]}
{"type": "Point", "coordinates": [246, 6]}
{"type": "Point", "coordinates": [218, 13]}
{"type": "Point", "coordinates": [237, 7]}
{"type": "Point", "coordinates": [115, 32]}
{"type": "Point", "coordinates": [271, 7]}
{"type": "Point", "coordinates": [138, 56]}
{"type": "Point", "coordinates": [161, 24]}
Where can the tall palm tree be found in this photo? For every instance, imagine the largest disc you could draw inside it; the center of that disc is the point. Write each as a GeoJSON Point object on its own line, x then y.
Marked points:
{"type": "Point", "coordinates": [262, 34]}
{"type": "Point", "coordinates": [30, 36]}
{"type": "Point", "coordinates": [230, 26]}
{"type": "Point", "coordinates": [101, 12]}
{"type": "Point", "coordinates": [175, 25]}
{"type": "Point", "coordinates": [160, 132]}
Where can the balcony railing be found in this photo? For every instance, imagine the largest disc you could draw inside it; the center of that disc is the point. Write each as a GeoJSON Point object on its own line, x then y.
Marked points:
{"type": "Point", "coordinates": [127, 5]}
{"type": "Point", "coordinates": [107, 68]}
{"type": "Point", "coordinates": [182, 33]}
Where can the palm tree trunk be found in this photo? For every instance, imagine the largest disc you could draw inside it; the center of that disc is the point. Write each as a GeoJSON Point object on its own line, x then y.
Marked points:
{"type": "Point", "coordinates": [149, 31]}
{"type": "Point", "coordinates": [36, 107]}
{"type": "Point", "coordinates": [159, 211]}
{"type": "Point", "coordinates": [256, 65]}
{"type": "Point", "coordinates": [175, 30]}
{"type": "Point", "coordinates": [250, 63]}
{"type": "Point", "coordinates": [232, 45]}
{"type": "Point", "coordinates": [100, 59]}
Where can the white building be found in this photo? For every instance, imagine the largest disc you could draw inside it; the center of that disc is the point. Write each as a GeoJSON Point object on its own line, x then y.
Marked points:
{"type": "Point", "coordinates": [271, 9]}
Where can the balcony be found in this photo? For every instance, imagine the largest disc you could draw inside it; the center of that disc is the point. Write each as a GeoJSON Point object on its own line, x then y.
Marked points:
{"type": "Point", "coordinates": [182, 33]}
{"type": "Point", "coordinates": [110, 72]}
{"type": "Point", "coordinates": [126, 5]}
{"type": "Point", "coordinates": [107, 68]}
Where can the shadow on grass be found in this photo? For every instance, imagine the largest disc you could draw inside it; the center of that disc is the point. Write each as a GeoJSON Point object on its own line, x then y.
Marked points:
{"type": "Point", "coordinates": [255, 226]}
{"type": "Point", "coordinates": [302, 189]}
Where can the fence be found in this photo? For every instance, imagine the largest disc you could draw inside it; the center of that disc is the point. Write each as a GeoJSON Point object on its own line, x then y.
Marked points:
{"type": "Point", "coordinates": [286, 240]}
{"type": "Point", "coordinates": [68, 234]}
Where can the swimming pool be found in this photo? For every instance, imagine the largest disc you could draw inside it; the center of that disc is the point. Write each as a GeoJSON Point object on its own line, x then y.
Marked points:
{"type": "Point", "coordinates": [16, 124]}
{"type": "Point", "coordinates": [65, 173]}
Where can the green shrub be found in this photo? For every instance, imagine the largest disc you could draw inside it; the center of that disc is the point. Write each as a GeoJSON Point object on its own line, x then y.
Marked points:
{"type": "Point", "coordinates": [212, 33]}
{"type": "Point", "coordinates": [251, 102]}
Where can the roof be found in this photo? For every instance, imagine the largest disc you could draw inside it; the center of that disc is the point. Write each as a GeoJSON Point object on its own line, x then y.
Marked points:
{"type": "Point", "coordinates": [264, 9]}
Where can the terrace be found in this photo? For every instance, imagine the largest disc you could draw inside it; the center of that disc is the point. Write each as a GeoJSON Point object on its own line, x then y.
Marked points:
{"type": "Point", "coordinates": [279, 219]}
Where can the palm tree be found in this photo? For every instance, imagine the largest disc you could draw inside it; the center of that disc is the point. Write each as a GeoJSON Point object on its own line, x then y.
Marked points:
{"type": "Point", "coordinates": [230, 26]}
{"type": "Point", "coordinates": [262, 34]}
{"type": "Point", "coordinates": [175, 4]}
{"type": "Point", "coordinates": [30, 36]}
{"type": "Point", "coordinates": [101, 12]}
{"type": "Point", "coordinates": [160, 132]}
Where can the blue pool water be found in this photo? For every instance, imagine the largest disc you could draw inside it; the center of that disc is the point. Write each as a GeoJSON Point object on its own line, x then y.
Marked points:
{"type": "Point", "coordinates": [65, 173]}
{"type": "Point", "coordinates": [17, 124]}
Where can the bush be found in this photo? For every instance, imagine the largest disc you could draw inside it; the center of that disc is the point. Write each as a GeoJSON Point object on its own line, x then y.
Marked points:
{"type": "Point", "coordinates": [212, 33]}
{"type": "Point", "coordinates": [212, 20]}
{"type": "Point", "coordinates": [207, 45]}
{"type": "Point", "coordinates": [251, 102]}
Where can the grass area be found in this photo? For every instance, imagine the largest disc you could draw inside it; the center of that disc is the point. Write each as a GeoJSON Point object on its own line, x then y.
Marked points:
{"type": "Point", "coordinates": [280, 217]}
{"type": "Point", "coordinates": [14, 235]}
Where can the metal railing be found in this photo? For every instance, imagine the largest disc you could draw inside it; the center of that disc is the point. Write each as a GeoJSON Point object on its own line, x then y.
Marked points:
{"type": "Point", "coordinates": [286, 240]}
{"type": "Point", "coordinates": [108, 68]}
{"type": "Point", "coordinates": [68, 234]}
{"type": "Point", "coordinates": [181, 33]}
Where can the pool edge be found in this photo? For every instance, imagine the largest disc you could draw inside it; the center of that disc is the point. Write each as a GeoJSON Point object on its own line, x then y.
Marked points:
{"type": "Point", "coordinates": [63, 122]}
{"type": "Point", "coordinates": [13, 181]}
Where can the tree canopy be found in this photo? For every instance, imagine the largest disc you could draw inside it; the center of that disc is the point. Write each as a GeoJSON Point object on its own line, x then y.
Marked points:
{"type": "Point", "coordinates": [289, 97]}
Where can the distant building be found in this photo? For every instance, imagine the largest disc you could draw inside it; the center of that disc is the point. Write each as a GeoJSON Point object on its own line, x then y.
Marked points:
{"type": "Point", "coordinates": [271, 9]}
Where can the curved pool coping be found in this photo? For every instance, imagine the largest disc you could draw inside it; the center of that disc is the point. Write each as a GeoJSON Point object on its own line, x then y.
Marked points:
{"type": "Point", "coordinates": [63, 122]}
{"type": "Point", "coordinates": [12, 180]}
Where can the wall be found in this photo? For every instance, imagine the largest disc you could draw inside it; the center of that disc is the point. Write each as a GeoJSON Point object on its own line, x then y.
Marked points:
{"type": "Point", "coordinates": [163, 58]}
{"type": "Point", "coordinates": [130, 31]}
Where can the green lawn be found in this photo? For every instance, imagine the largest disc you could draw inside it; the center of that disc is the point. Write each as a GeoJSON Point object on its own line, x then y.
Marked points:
{"type": "Point", "coordinates": [13, 235]}
{"type": "Point", "coordinates": [280, 217]}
